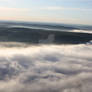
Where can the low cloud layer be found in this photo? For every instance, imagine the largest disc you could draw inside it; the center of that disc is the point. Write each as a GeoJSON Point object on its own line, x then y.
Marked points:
{"type": "Point", "coordinates": [47, 68]}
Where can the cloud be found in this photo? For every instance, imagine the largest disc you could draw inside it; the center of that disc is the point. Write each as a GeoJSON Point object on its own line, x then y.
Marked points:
{"type": "Point", "coordinates": [6, 9]}
{"type": "Point", "coordinates": [5, 1]}
{"type": "Point", "coordinates": [66, 8]}
{"type": "Point", "coordinates": [13, 13]}
{"type": "Point", "coordinates": [46, 68]}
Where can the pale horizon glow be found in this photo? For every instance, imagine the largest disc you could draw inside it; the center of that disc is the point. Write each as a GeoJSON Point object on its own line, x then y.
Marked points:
{"type": "Point", "coordinates": [58, 11]}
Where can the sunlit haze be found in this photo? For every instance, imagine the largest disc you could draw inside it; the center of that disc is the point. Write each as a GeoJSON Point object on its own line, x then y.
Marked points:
{"type": "Point", "coordinates": [57, 11]}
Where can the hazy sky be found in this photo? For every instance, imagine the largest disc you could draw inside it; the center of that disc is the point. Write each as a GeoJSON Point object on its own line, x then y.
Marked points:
{"type": "Point", "coordinates": [62, 11]}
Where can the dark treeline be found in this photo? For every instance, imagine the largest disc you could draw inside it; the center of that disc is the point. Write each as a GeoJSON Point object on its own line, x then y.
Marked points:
{"type": "Point", "coordinates": [35, 36]}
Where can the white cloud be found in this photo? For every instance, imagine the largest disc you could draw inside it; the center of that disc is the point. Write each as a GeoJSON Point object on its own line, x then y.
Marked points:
{"type": "Point", "coordinates": [6, 9]}
{"type": "Point", "coordinates": [47, 68]}
{"type": "Point", "coordinates": [66, 8]}
{"type": "Point", "coordinates": [5, 0]}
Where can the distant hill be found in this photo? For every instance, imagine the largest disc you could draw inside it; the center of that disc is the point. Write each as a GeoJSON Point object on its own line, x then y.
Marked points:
{"type": "Point", "coordinates": [36, 36]}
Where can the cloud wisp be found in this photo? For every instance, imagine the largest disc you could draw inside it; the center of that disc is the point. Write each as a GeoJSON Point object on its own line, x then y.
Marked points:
{"type": "Point", "coordinates": [7, 9]}
{"type": "Point", "coordinates": [53, 8]}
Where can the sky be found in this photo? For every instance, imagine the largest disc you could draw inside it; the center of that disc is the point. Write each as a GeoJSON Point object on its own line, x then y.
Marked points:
{"type": "Point", "coordinates": [57, 11]}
